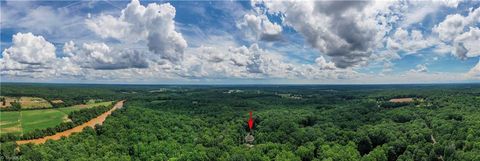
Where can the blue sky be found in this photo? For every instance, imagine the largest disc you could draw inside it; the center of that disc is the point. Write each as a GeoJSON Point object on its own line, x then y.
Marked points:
{"type": "Point", "coordinates": [314, 42]}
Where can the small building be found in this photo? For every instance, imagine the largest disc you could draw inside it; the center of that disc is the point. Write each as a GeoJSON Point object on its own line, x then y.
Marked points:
{"type": "Point", "coordinates": [249, 138]}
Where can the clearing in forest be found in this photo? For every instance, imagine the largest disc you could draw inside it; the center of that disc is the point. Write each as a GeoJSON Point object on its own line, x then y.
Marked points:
{"type": "Point", "coordinates": [401, 100]}
{"type": "Point", "coordinates": [34, 102]}
{"type": "Point", "coordinates": [68, 110]}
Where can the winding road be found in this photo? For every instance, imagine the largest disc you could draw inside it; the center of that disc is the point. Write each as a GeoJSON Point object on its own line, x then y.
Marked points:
{"type": "Point", "coordinates": [98, 120]}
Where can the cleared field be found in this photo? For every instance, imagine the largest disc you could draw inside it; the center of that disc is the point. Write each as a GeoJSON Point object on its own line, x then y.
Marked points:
{"type": "Point", "coordinates": [9, 122]}
{"type": "Point", "coordinates": [25, 121]}
{"type": "Point", "coordinates": [67, 110]}
{"type": "Point", "coordinates": [34, 102]}
{"type": "Point", "coordinates": [8, 100]}
{"type": "Point", "coordinates": [400, 100]}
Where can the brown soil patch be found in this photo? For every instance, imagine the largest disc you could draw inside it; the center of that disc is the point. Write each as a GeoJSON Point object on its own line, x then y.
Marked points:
{"type": "Point", "coordinates": [400, 100]}
{"type": "Point", "coordinates": [98, 120]}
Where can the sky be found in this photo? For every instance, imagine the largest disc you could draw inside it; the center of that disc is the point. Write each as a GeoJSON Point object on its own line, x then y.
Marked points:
{"type": "Point", "coordinates": [240, 42]}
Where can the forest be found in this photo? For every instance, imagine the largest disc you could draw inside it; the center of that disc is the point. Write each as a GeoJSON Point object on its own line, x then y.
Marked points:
{"type": "Point", "coordinates": [291, 122]}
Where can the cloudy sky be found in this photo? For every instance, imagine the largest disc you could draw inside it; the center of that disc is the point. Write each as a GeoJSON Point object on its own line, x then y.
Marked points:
{"type": "Point", "coordinates": [314, 42]}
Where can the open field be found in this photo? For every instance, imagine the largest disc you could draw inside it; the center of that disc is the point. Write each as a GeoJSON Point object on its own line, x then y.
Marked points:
{"type": "Point", "coordinates": [40, 119]}
{"type": "Point", "coordinates": [8, 101]}
{"type": "Point", "coordinates": [25, 121]}
{"type": "Point", "coordinates": [401, 100]}
{"type": "Point", "coordinates": [67, 110]}
{"type": "Point", "coordinates": [9, 122]}
{"type": "Point", "coordinates": [34, 102]}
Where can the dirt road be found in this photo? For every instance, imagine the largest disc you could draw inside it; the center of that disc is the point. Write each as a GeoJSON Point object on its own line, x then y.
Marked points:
{"type": "Point", "coordinates": [79, 128]}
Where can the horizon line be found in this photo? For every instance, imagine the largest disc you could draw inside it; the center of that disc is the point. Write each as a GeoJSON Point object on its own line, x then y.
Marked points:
{"type": "Point", "coordinates": [242, 84]}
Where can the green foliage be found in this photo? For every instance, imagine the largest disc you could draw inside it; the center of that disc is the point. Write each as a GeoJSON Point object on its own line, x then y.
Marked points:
{"type": "Point", "coordinates": [321, 123]}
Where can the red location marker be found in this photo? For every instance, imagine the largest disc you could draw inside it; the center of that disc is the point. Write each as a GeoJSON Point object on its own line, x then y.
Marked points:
{"type": "Point", "coordinates": [250, 121]}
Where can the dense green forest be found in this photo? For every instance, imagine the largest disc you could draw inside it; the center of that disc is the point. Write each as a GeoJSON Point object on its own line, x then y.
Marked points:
{"type": "Point", "coordinates": [309, 122]}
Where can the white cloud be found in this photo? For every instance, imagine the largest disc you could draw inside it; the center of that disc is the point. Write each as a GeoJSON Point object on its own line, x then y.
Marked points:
{"type": "Point", "coordinates": [451, 3]}
{"type": "Point", "coordinates": [455, 24]}
{"type": "Point", "coordinates": [345, 31]}
{"type": "Point", "coordinates": [323, 64]}
{"type": "Point", "coordinates": [142, 40]}
{"type": "Point", "coordinates": [34, 57]}
{"type": "Point", "coordinates": [411, 42]}
{"type": "Point", "coordinates": [253, 62]}
{"type": "Point", "coordinates": [153, 25]}
{"type": "Point", "coordinates": [259, 27]}
{"type": "Point", "coordinates": [467, 43]}
{"type": "Point", "coordinates": [474, 72]}
{"type": "Point", "coordinates": [416, 11]}
{"type": "Point", "coordinates": [29, 49]}
{"type": "Point", "coordinates": [460, 34]}
{"type": "Point", "coordinates": [101, 56]}
{"type": "Point", "coordinates": [54, 23]}
{"type": "Point", "coordinates": [420, 68]}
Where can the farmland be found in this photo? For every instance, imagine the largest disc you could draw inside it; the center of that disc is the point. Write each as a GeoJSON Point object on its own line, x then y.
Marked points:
{"type": "Point", "coordinates": [25, 102]}
{"type": "Point", "coordinates": [68, 110]}
{"type": "Point", "coordinates": [34, 102]}
{"type": "Point", "coordinates": [10, 123]}
{"type": "Point", "coordinates": [39, 119]}
{"type": "Point", "coordinates": [400, 100]}
{"type": "Point", "coordinates": [24, 121]}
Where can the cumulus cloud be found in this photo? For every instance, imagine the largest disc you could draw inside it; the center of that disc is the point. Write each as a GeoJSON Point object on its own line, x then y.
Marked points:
{"type": "Point", "coordinates": [420, 68]}
{"type": "Point", "coordinates": [32, 56]}
{"type": "Point", "coordinates": [345, 31]}
{"type": "Point", "coordinates": [416, 12]}
{"type": "Point", "coordinates": [101, 56]}
{"type": "Point", "coordinates": [259, 27]}
{"type": "Point", "coordinates": [460, 34]}
{"type": "Point", "coordinates": [474, 72]}
{"type": "Point", "coordinates": [466, 44]}
{"type": "Point", "coordinates": [411, 42]}
{"type": "Point", "coordinates": [253, 62]}
{"type": "Point", "coordinates": [323, 64]}
{"type": "Point", "coordinates": [238, 62]}
{"type": "Point", "coordinates": [451, 3]}
{"type": "Point", "coordinates": [455, 24]}
{"type": "Point", "coordinates": [29, 49]}
{"type": "Point", "coordinates": [153, 25]}
{"type": "Point", "coordinates": [143, 40]}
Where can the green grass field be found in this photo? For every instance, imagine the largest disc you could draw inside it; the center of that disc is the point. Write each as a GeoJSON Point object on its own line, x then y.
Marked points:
{"type": "Point", "coordinates": [9, 122]}
{"type": "Point", "coordinates": [67, 110]}
{"type": "Point", "coordinates": [18, 122]}
{"type": "Point", "coordinates": [40, 119]}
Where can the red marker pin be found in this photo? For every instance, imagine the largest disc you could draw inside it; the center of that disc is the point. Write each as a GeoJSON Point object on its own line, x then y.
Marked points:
{"type": "Point", "coordinates": [250, 121]}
